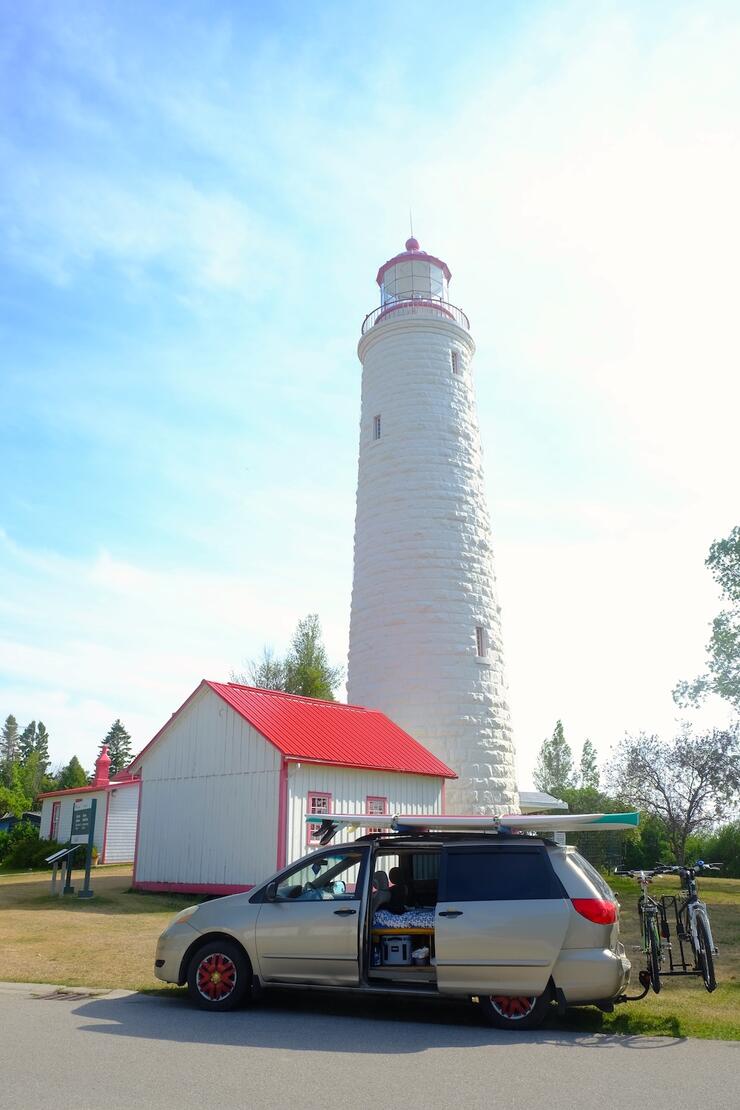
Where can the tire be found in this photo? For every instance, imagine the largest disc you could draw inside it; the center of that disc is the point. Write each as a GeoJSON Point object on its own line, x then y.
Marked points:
{"type": "Point", "coordinates": [654, 955]}
{"type": "Point", "coordinates": [522, 1012]}
{"type": "Point", "coordinates": [219, 975]}
{"type": "Point", "coordinates": [704, 956]}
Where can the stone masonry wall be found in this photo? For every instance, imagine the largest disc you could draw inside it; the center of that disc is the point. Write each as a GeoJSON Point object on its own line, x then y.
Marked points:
{"type": "Point", "coordinates": [424, 577]}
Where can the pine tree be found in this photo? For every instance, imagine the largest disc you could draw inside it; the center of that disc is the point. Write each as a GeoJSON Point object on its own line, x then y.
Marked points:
{"type": "Point", "coordinates": [27, 742]}
{"type": "Point", "coordinates": [41, 745]}
{"type": "Point", "coordinates": [554, 769]}
{"type": "Point", "coordinates": [72, 775]}
{"type": "Point", "coordinates": [307, 669]}
{"type": "Point", "coordinates": [9, 739]}
{"type": "Point", "coordinates": [589, 766]}
{"type": "Point", "coordinates": [119, 747]}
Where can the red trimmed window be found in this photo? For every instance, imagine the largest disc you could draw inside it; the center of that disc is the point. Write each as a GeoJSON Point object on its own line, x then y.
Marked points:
{"type": "Point", "coordinates": [56, 811]}
{"type": "Point", "coordinates": [317, 804]}
{"type": "Point", "coordinates": [378, 806]}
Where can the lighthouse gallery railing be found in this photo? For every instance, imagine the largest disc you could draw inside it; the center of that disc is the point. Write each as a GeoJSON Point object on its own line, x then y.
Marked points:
{"type": "Point", "coordinates": [416, 307]}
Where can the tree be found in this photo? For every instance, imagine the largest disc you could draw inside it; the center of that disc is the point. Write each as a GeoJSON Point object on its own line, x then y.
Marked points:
{"type": "Point", "coordinates": [689, 783]}
{"type": "Point", "coordinates": [268, 673]}
{"type": "Point", "coordinates": [119, 747]}
{"type": "Point", "coordinates": [41, 744]}
{"type": "Point", "coordinates": [589, 766]}
{"type": "Point", "coordinates": [72, 775]}
{"type": "Point", "coordinates": [13, 797]}
{"type": "Point", "coordinates": [554, 769]}
{"type": "Point", "coordinates": [32, 776]}
{"type": "Point", "coordinates": [305, 670]}
{"type": "Point", "coordinates": [723, 649]}
{"type": "Point", "coordinates": [26, 741]}
{"type": "Point", "coordinates": [9, 739]}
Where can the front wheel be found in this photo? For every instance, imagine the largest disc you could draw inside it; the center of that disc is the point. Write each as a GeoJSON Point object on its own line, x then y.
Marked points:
{"type": "Point", "coordinates": [515, 1011]}
{"type": "Point", "coordinates": [653, 955]}
{"type": "Point", "coordinates": [704, 957]}
{"type": "Point", "coordinates": [219, 976]}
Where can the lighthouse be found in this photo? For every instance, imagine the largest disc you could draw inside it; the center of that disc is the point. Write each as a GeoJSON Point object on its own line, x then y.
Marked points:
{"type": "Point", "coordinates": [425, 629]}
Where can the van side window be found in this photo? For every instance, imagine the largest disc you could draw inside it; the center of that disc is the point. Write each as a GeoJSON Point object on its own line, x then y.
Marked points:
{"type": "Point", "coordinates": [498, 875]}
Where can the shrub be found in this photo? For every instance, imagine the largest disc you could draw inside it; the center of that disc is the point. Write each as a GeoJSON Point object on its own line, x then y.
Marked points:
{"type": "Point", "coordinates": [4, 844]}
{"type": "Point", "coordinates": [25, 849]}
{"type": "Point", "coordinates": [722, 846]}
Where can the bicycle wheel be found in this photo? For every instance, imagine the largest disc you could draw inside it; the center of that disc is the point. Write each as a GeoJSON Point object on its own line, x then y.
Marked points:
{"type": "Point", "coordinates": [704, 957]}
{"type": "Point", "coordinates": [653, 954]}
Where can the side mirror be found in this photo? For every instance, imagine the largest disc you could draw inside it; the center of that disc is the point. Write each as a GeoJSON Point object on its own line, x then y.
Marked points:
{"type": "Point", "coordinates": [271, 892]}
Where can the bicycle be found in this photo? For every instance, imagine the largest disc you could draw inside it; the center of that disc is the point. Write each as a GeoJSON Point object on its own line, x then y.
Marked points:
{"type": "Point", "coordinates": [651, 914]}
{"type": "Point", "coordinates": [692, 923]}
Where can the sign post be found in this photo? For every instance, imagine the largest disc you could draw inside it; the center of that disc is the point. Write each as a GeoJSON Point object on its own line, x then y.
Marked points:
{"type": "Point", "coordinates": [83, 828]}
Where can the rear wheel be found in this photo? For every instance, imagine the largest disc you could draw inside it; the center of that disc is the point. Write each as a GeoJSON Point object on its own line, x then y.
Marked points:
{"type": "Point", "coordinates": [513, 1011]}
{"type": "Point", "coordinates": [654, 955]}
{"type": "Point", "coordinates": [704, 957]}
{"type": "Point", "coordinates": [219, 976]}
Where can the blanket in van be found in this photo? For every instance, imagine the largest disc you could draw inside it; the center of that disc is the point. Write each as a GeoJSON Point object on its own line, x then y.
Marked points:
{"type": "Point", "coordinates": [412, 919]}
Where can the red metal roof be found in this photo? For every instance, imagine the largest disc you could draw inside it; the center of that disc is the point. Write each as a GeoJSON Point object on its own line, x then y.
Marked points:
{"type": "Point", "coordinates": [326, 731]}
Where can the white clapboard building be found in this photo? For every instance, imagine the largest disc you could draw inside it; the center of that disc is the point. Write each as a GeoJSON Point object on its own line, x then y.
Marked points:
{"type": "Point", "coordinates": [227, 783]}
{"type": "Point", "coordinates": [117, 799]}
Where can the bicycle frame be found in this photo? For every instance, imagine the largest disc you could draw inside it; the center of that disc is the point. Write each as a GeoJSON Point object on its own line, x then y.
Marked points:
{"type": "Point", "coordinates": [650, 912]}
{"type": "Point", "coordinates": [687, 908]}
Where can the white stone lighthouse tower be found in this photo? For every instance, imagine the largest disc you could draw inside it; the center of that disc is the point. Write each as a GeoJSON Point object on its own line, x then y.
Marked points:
{"type": "Point", "coordinates": [425, 637]}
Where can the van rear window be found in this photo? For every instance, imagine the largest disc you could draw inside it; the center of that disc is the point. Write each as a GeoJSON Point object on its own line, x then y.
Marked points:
{"type": "Point", "coordinates": [498, 875]}
{"type": "Point", "coordinates": [598, 880]}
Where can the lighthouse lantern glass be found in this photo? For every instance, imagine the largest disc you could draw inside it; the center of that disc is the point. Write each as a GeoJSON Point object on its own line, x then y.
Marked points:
{"type": "Point", "coordinates": [413, 281]}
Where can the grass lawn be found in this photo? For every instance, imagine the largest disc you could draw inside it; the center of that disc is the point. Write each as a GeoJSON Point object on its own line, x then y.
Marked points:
{"type": "Point", "coordinates": [109, 941]}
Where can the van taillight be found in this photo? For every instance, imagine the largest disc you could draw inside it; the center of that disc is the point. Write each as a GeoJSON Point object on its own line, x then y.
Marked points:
{"type": "Point", "coordinates": [598, 910]}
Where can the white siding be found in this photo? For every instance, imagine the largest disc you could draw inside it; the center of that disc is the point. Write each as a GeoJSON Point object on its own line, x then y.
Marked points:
{"type": "Point", "coordinates": [120, 839]}
{"type": "Point", "coordinates": [209, 800]}
{"type": "Point", "coordinates": [65, 817]}
{"type": "Point", "coordinates": [349, 789]}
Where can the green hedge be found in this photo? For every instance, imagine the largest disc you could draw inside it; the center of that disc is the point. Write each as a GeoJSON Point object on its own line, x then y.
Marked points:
{"type": "Point", "coordinates": [21, 847]}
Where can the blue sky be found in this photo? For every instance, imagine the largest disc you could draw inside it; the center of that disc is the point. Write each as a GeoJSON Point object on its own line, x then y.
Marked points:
{"type": "Point", "coordinates": [195, 201]}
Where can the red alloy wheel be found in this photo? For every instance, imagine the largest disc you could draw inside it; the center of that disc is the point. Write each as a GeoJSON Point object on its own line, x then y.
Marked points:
{"type": "Point", "coordinates": [512, 1008]}
{"type": "Point", "coordinates": [216, 977]}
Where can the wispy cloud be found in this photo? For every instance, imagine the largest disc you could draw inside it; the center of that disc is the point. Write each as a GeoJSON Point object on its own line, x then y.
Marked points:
{"type": "Point", "coordinates": [239, 181]}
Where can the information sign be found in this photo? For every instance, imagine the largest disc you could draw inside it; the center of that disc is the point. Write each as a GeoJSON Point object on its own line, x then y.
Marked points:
{"type": "Point", "coordinates": [81, 825]}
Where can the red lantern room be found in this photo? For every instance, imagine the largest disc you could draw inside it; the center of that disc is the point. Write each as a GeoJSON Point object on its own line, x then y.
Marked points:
{"type": "Point", "coordinates": [414, 283]}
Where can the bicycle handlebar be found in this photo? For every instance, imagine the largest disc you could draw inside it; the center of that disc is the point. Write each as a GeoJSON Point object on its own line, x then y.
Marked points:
{"type": "Point", "coordinates": [667, 869]}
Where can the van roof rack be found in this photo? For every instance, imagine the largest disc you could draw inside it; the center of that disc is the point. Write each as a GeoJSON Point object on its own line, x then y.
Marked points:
{"type": "Point", "coordinates": [410, 824]}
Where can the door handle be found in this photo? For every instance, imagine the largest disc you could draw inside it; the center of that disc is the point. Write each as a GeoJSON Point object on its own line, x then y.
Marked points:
{"type": "Point", "coordinates": [450, 913]}
{"type": "Point", "coordinates": [344, 913]}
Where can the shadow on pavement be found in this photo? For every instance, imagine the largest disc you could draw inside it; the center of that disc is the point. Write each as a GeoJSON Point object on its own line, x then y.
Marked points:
{"type": "Point", "coordinates": [304, 1022]}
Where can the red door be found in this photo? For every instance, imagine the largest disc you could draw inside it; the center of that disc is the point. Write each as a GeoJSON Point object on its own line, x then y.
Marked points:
{"type": "Point", "coordinates": [56, 810]}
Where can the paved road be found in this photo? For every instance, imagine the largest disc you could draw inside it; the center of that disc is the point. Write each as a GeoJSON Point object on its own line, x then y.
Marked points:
{"type": "Point", "coordinates": [123, 1050]}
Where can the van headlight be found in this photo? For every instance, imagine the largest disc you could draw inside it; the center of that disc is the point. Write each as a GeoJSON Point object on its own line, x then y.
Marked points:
{"type": "Point", "coordinates": [184, 915]}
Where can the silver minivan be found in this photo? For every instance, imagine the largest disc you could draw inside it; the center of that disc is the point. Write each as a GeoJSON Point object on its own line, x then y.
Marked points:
{"type": "Point", "coordinates": [513, 922]}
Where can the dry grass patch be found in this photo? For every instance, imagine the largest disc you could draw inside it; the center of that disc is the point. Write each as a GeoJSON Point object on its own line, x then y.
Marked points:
{"type": "Point", "coordinates": [106, 941]}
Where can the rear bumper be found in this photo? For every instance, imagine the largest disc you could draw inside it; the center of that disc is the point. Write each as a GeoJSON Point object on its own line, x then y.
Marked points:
{"type": "Point", "coordinates": [591, 974]}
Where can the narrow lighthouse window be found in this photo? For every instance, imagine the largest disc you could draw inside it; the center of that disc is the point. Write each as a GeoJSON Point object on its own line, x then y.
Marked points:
{"type": "Point", "coordinates": [481, 646]}
{"type": "Point", "coordinates": [376, 427]}
{"type": "Point", "coordinates": [455, 359]}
